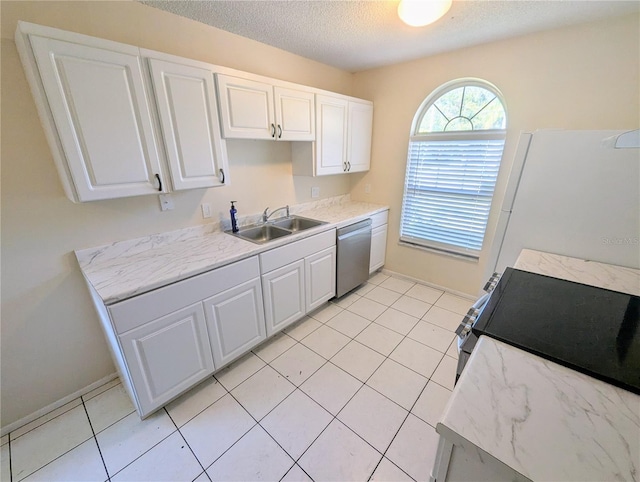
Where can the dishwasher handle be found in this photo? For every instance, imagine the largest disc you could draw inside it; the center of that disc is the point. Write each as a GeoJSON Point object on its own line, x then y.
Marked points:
{"type": "Point", "coordinates": [353, 229]}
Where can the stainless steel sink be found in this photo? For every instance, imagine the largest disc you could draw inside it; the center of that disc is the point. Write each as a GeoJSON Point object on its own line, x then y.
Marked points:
{"type": "Point", "coordinates": [297, 223]}
{"type": "Point", "coordinates": [262, 234]}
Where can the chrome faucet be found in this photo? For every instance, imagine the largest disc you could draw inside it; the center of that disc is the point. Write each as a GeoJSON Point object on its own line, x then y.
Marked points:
{"type": "Point", "coordinates": [265, 216]}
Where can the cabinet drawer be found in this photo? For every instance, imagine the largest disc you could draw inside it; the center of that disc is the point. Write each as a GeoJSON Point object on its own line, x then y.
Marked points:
{"type": "Point", "coordinates": [284, 255]}
{"type": "Point", "coordinates": [379, 219]}
{"type": "Point", "coordinates": [137, 311]}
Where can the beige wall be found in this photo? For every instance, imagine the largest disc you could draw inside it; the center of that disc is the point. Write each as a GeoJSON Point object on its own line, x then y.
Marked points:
{"type": "Point", "coordinates": [51, 343]}
{"type": "Point", "coordinates": [582, 77]}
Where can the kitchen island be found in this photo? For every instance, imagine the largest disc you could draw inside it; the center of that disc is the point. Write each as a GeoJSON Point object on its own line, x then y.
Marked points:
{"type": "Point", "coordinates": [516, 416]}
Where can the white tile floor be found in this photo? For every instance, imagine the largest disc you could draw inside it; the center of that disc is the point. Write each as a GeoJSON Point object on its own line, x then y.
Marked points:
{"type": "Point", "coordinates": [350, 393]}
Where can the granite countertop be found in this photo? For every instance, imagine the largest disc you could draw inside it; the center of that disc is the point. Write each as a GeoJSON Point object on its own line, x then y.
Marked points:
{"type": "Point", "coordinates": [545, 421]}
{"type": "Point", "coordinates": [128, 268]}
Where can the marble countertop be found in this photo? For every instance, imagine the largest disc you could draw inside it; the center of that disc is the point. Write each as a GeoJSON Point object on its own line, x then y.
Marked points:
{"type": "Point", "coordinates": [128, 268]}
{"type": "Point", "coordinates": [616, 278]}
{"type": "Point", "coordinates": [545, 421]}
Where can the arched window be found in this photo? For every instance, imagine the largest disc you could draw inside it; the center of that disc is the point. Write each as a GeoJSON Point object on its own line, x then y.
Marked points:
{"type": "Point", "coordinates": [455, 149]}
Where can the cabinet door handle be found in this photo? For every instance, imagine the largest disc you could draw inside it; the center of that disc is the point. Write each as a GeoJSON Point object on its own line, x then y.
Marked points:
{"type": "Point", "coordinates": [279, 132]}
{"type": "Point", "coordinates": [159, 182]}
{"type": "Point", "coordinates": [349, 166]}
{"type": "Point", "coordinates": [273, 130]}
{"type": "Point", "coordinates": [344, 166]}
{"type": "Point", "coordinates": [222, 175]}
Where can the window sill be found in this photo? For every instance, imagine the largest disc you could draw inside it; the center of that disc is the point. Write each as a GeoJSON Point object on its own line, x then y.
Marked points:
{"type": "Point", "coordinates": [465, 257]}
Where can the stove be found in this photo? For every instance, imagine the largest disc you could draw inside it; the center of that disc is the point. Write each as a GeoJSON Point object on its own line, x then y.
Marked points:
{"type": "Point", "coordinates": [589, 329]}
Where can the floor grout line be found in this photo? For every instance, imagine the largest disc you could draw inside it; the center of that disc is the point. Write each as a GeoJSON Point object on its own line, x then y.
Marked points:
{"type": "Point", "coordinates": [42, 416]}
{"type": "Point", "coordinates": [62, 454]}
{"type": "Point", "coordinates": [185, 440]}
{"type": "Point", "coordinates": [10, 461]}
{"type": "Point", "coordinates": [95, 438]}
{"type": "Point", "coordinates": [143, 453]}
{"type": "Point", "coordinates": [257, 423]}
{"type": "Point", "coordinates": [409, 412]}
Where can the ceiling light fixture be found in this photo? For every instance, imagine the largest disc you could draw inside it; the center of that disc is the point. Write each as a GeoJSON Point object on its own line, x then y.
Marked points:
{"type": "Point", "coordinates": [418, 13]}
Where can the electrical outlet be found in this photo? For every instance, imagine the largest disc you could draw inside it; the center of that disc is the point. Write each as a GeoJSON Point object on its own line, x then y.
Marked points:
{"type": "Point", "coordinates": [166, 202]}
{"type": "Point", "coordinates": [206, 210]}
{"type": "Point", "coordinates": [315, 192]}
{"type": "Point", "coordinates": [367, 188]}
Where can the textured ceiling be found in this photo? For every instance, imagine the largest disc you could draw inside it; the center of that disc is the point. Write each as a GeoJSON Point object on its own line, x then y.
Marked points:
{"type": "Point", "coordinates": [359, 35]}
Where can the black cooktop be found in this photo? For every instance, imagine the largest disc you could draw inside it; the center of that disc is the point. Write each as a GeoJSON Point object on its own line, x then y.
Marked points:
{"type": "Point", "coordinates": [591, 330]}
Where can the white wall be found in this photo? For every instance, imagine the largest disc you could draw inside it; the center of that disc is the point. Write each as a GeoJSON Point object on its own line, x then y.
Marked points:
{"type": "Point", "coordinates": [51, 343]}
{"type": "Point", "coordinates": [581, 77]}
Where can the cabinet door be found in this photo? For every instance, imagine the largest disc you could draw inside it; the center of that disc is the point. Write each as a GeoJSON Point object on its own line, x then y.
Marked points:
{"type": "Point", "coordinates": [320, 278]}
{"type": "Point", "coordinates": [283, 291]}
{"type": "Point", "coordinates": [331, 135]}
{"type": "Point", "coordinates": [235, 321]}
{"type": "Point", "coordinates": [295, 115]}
{"type": "Point", "coordinates": [378, 247]}
{"type": "Point", "coordinates": [186, 101]}
{"type": "Point", "coordinates": [99, 107]}
{"type": "Point", "coordinates": [167, 356]}
{"type": "Point", "coordinates": [359, 143]}
{"type": "Point", "coordinates": [246, 108]}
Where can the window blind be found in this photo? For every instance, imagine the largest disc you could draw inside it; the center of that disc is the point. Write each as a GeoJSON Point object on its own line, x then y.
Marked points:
{"type": "Point", "coordinates": [449, 185]}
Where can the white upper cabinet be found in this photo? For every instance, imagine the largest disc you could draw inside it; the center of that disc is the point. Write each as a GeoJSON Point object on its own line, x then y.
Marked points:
{"type": "Point", "coordinates": [359, 136]}
{"type": "Point", "coordinates": [295, 120]}
{"type": "Point", "coordinates": [331, 143]}
{"type": "Point", "coordinates": [343, 138]}
{"type": "Point", "coordinates": [187, 107]}
{"type": "Point", "coordinates": [99, 107]}
{"type": "Point", "coordinates": [257, 110]}
{"type": "Point", "coordinates": [124, 121]}
{"type": "Point", "coordinates": [246, 108]}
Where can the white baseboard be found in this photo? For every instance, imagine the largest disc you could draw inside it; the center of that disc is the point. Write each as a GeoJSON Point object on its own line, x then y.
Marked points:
{"type": "Point", "coordinates": [49, 408]}
{"type": "Point", "coordinates": [430, 285]}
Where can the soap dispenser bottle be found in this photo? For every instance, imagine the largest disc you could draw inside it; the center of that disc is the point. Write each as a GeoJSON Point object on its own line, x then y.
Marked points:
{"type": "Point", "coordinates": [234, 223]}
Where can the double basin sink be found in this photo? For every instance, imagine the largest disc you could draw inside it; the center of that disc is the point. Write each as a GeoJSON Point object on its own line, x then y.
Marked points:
{"type": "Point", "coordinates": [263, 233]}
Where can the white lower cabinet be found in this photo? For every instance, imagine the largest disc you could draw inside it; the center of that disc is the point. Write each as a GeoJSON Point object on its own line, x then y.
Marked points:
{"type": "Point", "coordinates": [167, 340]}
{"type": "Point", "coordinates": [378, 240]}
{"type": "Point", "coordinates": [378, 248]}
{"type": "Point", "coordinates": [297, 278]}
{"type": "Point", "coordinates": [320, 278]}
{"type": "Point", "coordinates": [284, 299]}
{"type": "Point", "coordinates": [235, 321]}
{"type": "Point", "coordinates": [168, 355]}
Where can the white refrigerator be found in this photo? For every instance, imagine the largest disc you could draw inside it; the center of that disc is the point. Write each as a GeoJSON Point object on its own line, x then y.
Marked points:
{"type": "Point", "coordinates": [572, 193]}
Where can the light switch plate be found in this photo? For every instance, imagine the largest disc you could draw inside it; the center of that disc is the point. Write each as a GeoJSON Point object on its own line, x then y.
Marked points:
{"type": "Point", "coordinates": [315, 192]}
{"type": "Point", "coordinates": [206, 210]}
{"type": "Point", "coordinates": [166, 202]}
{"type": "Point", "coordinates": [367, 188]}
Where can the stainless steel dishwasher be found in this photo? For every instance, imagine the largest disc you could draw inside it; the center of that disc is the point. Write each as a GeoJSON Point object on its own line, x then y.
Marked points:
{"type": "Point", "coordinates": [354, 249]}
